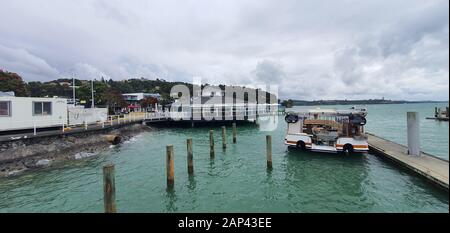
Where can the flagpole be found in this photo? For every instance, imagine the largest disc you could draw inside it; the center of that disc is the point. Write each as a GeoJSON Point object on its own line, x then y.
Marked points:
{"type": "Point", "coordinates": [92, 89]}
{"type": "Point", "coordinates": [73, 90]}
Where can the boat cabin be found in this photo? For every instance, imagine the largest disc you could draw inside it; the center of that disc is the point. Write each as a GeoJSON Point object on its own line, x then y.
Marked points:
{"type": "Point", "coordinates": [327, 130]}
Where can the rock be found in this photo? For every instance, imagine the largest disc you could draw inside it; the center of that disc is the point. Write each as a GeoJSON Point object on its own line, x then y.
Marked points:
{"type": "Point", "coordinates": [82, 155]}
{"type": "Point", "coordinates": [71, 139]}
{"type": "Point", "coordinates": [14, 172]}
{"type": "Point", "coordinates": [42, 163]}
{"type": "Point", "coordinates": [27, 154]}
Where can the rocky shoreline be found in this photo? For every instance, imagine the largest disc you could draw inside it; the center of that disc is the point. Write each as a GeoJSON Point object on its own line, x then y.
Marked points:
{"type": "Point", "coordinates": [22, 155]}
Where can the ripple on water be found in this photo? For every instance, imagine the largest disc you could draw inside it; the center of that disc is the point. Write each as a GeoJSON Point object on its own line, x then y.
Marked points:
{"type": "Point", "coordinates": [236, 180]}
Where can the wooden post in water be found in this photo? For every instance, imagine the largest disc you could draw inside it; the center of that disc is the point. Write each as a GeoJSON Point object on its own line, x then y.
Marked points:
{"type": "Point", "coordinates": [224, 137]}
{"type": "Point", "coordinates": [190, 157]}
{"type": "Point", "coordinates": [269, 151]}
{"type": "Point", "coordinates": [109, 189]}
{"type": "Point", "coordinates": [234, 133]}
{"type": "Point", "coordinates": [169, 167]}
{"type": "Point", "coordinates": [211, 143]}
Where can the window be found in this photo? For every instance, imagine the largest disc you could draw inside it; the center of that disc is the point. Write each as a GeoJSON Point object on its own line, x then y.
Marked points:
{"type": "Point", "coordinates": [5, 108]}
{"type": "Point", "coordinates": [42, 108]}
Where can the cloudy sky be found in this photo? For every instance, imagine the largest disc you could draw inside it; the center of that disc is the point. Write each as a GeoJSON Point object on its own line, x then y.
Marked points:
{"type": "Point", "coordinates": [311, 49]}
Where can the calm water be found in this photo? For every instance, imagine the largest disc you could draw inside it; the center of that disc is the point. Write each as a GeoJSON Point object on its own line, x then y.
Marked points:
{"type": "Point", "coordinates": [389, 121]}
{"type": "Point", "coordinates": [237, 179]}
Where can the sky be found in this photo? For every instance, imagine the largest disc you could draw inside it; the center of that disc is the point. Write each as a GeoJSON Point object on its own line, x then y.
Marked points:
{"type": "Point", "coordinates": [327, 49]}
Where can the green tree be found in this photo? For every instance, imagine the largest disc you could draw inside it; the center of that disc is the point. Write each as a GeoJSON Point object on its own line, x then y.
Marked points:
{"type": "Point", "coordinates": [288, 103]}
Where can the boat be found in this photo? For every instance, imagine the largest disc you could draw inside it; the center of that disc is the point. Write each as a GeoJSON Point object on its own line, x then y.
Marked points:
{"type": "Point", "coordinates": [328, 130]}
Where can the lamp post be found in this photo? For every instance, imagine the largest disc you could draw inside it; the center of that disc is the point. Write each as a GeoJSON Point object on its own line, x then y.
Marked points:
{"type": "Point", "coordinates": [73, 90]}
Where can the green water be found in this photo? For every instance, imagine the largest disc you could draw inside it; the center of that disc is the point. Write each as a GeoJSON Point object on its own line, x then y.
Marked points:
{"type": "Point", "coordinates": [389, 121]}
{"type": "Point", "coordinates": [237, 179]}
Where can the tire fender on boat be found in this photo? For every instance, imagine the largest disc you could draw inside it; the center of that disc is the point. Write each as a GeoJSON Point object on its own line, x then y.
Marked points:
{"type": "Point", "coordinates": [291, 118]}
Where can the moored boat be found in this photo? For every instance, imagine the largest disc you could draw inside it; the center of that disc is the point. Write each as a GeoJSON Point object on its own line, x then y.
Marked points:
{"type": "Point", "coordinates": [327, 130]}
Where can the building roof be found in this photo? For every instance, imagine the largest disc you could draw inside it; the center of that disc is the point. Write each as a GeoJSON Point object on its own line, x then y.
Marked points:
{"type": "Point", "coordinates": [9, 93]}
{"type": "Point", "coordinates": [140, 93]}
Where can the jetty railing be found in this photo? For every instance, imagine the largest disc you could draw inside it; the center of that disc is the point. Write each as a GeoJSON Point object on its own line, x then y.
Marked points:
{"type": "Point", "coordinates": [192, 114]}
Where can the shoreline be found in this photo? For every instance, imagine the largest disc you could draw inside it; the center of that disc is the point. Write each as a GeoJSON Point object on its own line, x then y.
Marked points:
{"type": "Point", "coordinates": [19, 156]}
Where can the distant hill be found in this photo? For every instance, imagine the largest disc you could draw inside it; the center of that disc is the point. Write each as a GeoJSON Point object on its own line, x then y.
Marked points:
{"type": "Point", "coordinates": [290, 103]}
{"type": "Point", "coordinates": [104, 89]}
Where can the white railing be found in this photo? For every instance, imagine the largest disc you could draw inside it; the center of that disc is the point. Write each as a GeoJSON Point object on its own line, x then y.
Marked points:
{"type": "Point", "coordinates": [239, 114]}
{"type": "Point", "coordinates": [206, 113]}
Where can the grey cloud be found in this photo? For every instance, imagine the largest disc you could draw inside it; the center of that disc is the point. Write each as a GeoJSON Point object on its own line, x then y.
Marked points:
{"type": "Point", "coordinates": [30, 65]}
{"type": "Point", "coordinates": [268, 72]}
{"type": "Point", "coordinates": [88, 71]}
{"type": "Point", "coordinates": [313, 50]}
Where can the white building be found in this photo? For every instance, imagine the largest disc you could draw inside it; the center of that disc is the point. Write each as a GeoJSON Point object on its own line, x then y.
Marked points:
{"type": "Point", "coordinates": [139, 96]}
{"type": "Point", "coordinates": [24, 112]}
{"type": "Point", "coordinates": [133, 99]}
{"type": "Point", "coordinates": [17, 113]}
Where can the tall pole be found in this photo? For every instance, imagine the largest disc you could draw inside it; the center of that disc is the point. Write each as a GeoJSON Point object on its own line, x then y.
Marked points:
{"type": "Point", "coordinates": [92, 91]}
{"type": "Point", "coordinates": [413, 129]}
{"type": "Point", "coordinates": [73, 90]}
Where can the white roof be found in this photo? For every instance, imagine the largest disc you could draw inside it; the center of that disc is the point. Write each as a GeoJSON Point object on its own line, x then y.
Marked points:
{"type": "Point", "coordinates": [319, 110]}
{"type": "Point", "coordinates": [334, 112]}
{"type": "Point", "coordinates": [31, 98]}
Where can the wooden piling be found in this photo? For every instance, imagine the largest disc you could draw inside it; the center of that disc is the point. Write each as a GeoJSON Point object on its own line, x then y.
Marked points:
{"type": "Point", "coordinates": [224, 137]}
{"type": "Point", "coordinates": [234, 133]}
{"type": "Point", "coordinates": [269, 151]}
{"type": "Point", "coordinates": [170, 167]}
{"type": "Point", "coordinates": [190, 157]}
{"type": "Point", "coordinates": [211, 143]}
{"type": "Point", "coordinates": [109, 189]}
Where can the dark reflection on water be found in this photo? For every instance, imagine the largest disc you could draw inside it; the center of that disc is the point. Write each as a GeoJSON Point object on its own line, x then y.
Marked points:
{"type": "Point", "coordinates": [192, 183]}
{"type": "Point", "coordinates": [170, 200]}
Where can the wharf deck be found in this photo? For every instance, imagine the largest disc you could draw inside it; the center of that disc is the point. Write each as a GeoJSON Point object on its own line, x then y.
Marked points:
{"type": "Point", "coordinates": [432, 168]}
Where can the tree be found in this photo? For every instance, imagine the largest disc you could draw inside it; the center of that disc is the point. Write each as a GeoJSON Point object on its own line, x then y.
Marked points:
{"type": "Point", "coordinates": [148, 102]}
{"type": "Point", "coordinates": [288, 103]}
{"type": "Point", "coordinates": [12, 82]}
{"type": "Point", "coordinates": [113, 100]}
{"type": "Point", "coordinates": [166, 99]}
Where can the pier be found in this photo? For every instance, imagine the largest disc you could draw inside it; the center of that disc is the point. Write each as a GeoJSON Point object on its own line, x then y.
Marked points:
{"type": "Point", "coordinates": [440, 115]}
{"type": "Point", "coordinates": [432, 168]}
{"type": "Point", "coordinates": [224, 116]}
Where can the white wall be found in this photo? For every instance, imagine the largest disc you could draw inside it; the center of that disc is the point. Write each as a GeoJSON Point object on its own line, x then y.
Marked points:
{"type": "Point", "coordinates": [22, 113]}
{"type": "Point", "coordinates": [78, 116]}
